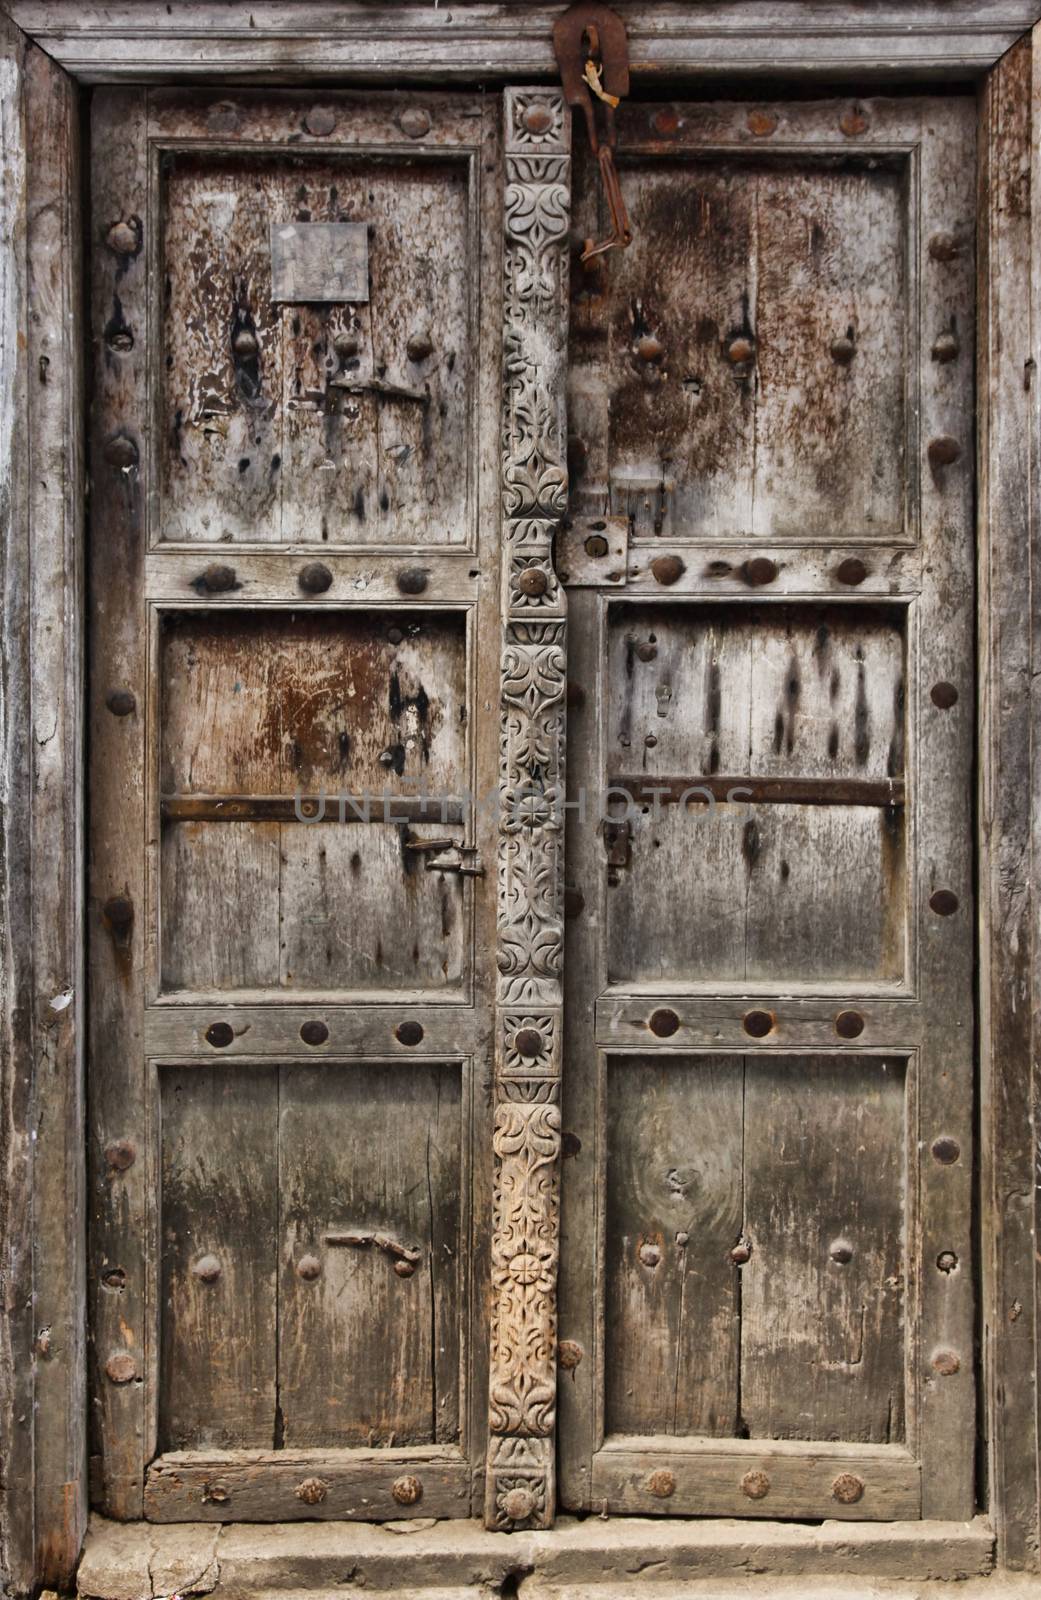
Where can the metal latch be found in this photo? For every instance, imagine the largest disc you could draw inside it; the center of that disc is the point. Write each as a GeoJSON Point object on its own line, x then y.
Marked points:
{"type": "Point", "coordinates": [467, 863]}
{"type": "Point", "coordinates": [593, 56]}
{"type": "Point", "coordinates": [617, 842]}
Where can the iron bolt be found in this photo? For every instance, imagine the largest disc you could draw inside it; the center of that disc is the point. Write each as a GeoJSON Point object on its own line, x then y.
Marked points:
{"type": "Point", "coordinates": [851, 571]}
{"type": "Point", "coordinates": [946, 1150]}
{"type": "Point", "coordinates": [528, 1042]}
{"type": "Point", "coordinates": [843, 351]}
{"type": "Point", "coordinates": [309, 1268]}
{"type": "Point", "coordinates": [944, 247]}
{"type": "Point", "coordinates": [413, 580]}
{"type": "Point", "coordinates": [245, 343]}
{"type": "Point", "coordinates": [121, 452]}
{"type": "Point", "coordinates": [320, 120]}
{"type": "Point", "coordinates": [648, 348]}
{"type": "Point", "coordinates": [943, 695]}
{"type": "Point", "coordinates": [944, 902]}
{"type": "Point", "coordinates": [120, 702]}
{"type": "Point", "coordinates": [569, 1354]}
{"type": "Point", "coordinates": [596, 546]}
{"type": "Point", "coordinates": [841, 1252]}
{"type": "Point", "coordinates": [346, 345]}
{"type": "Point", "coordinates": [409, 1033]}
{"type": "Point", "coordinates": [664, 1023]}
{"type": "Point", "coordinates": [314, 1032]}
{"type": "Point", "coordinates": [761, 123]}
{"type": "Point", "coordinates": [404, 1269]}
{"type": "Point", "coordinates": [394, 635]}
{"type": "Point", "coordinates": [647, 652]}
{"type": "Point", "coordinates": [312, 1491]}
{"type": "Point", "coordinates": [759, 1023]}
{"type": "Point", "coordinates": [207, 1269]}
{"type": "Point", "coordinates": [946, 348]}
{"type": "Point", "coordinates": [667, 569]}
{"type": "Point", "coordinates": [114, 1278]}
{"type": "Point", "coordinates": [121, 340]}
{"type": "Point", "coordinates": [121, 1368]}
{"type": "Point", "coordinates": [120, 1155]}
{"type": "Point", "coordinates": [533, 581]}
{"type": "Point", "coordinates": [740, 351]}
{"type": "Point", "coordinates": [419, 347]}
{"type": "Point", "coordinates": [414, 122]}
{"type": "Point", "coordinates": [123, 238]}
{"type": "Point", "coordinates": [217, 1493]}
{"type": "Point", "coordinates": [946, 1261]}
{"type": "Point", "coordinates": [407, 1490]}
{"type": "Point", "coordinates": [216, 579]}
{"type": "Point", "coordinates": [756, 1485]}
{"type": "Point", "coordinates": [758, 571]}
{"type": "Point", "coordinates": [946, 1363]}
{"type": "Point", "coordinates": [853, 121]}
{"type": "Point", "coordinates": [944, 451]}
{"type": "Point", "coordinates": [741, 1253]}
{"type": "Point", "coordinates": [118, 912]}
{"type": "Point", "coordinates": [650, 1255]}
{"type": "Point", "coordinates": [847, 1488]}
{"type": "Point", "coordinates": [315, 578]}
{"type": "Point", "coordinates": [849, 1024]}
{"type": "Point", "coordinates": [220, 1035]}
{"type": "Point", "coordinates": [662, 1483]}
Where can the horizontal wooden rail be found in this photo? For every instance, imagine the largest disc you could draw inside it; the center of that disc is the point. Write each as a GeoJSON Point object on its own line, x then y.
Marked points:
{"type": "Point", "coordinates": [886, 792]}
{"type": "Point", "coordinates": [388, 808]}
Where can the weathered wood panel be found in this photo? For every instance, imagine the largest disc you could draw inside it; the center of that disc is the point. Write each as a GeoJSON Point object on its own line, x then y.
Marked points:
{"type": "Point", "coordinates": [218, 1277]}
{"type": "Point", "coordinates": [370, 1175]}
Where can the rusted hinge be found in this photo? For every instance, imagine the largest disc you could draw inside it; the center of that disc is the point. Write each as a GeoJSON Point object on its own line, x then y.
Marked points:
{"type": "Point", "coordinates": [593, 56]}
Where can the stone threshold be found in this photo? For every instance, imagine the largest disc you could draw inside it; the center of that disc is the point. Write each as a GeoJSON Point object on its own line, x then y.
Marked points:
{"type": "Point", "coordinates": [589, 1559]}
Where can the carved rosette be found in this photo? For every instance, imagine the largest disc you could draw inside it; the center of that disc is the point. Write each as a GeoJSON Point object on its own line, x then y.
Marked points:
{"type": "Point", "coordinates": [526, 1220]}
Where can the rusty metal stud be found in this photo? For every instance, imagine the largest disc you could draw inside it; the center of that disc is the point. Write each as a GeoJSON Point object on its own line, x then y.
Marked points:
{"type": "Point", "coordinates": [412, 580]}
{"type": "Point", "coordinates": [207, 1269]}
{"type": "Point", "coordinates": [759, 571]}
{"type": "Point", "coordinates": [649, 1254]}
{"type": "Point", "coordinates": [648, 348]}
{"type": "Point", "coordinates": [842, 351]}
{"type": "Point", "coordinates": [946, 348]}
{"type": "Point", "coordinates": [946, 1261]}
{"type": "Point", "coordinates": [315, 578]}
{"type": "Point", "coordinates": [120, 1155]}
{"type": "Point", "coordinates": [755, 1484]}
{"type": "Point", "coordinates": [121, 452]}
{"type": "Point", "coordinates": [596, 546]}
{"type": "Point", "coordinates": [741, 1253]}
{"type": "Point", "coordinates": [662, 1483]}
{"type": "Point", "coordinates": [532, 581]}
{"type": "Point", "coordinates": [314, 1032]}
{"type": "Point", "coordinates": [944, 451]}
{"type": "Point", "coordinates": [945, 1150]}
{"type": "Point", "coordinates": [118, 912]}
{"type": "Point", "coordinates": [519, 1503]}
{"type": "Point", "coordinates": [394, 635]}
{"type": "Point", "coordinates": [757, 1024]}
{"type": "Point", "coordinates": [944, 902]}
{"type": "Point", "coordinates": [944, 247]}
{"type": "Point", "coordinates": [946, 1363]}
{"type": "Point", "coordinates": [667, 569]}
{"type": "Point", "coordinates": [569, 1354]}
{"type": "Point", "coordinates": [114, 1278]}
{"type": "Point", "coordinates": [665, 121]}
{"type": "Point", "coordinates": [408, 1033]}
{"type": "Point", "coordinates": [664, 1023]}
{"type": "Point", "coordinates": [404, 1269]}
{"type": "Point", "coordinates": [944, 695]}
{"type": "Point", "coordinates": [407, 1490]}
{"type": "Point", "coordinates": [216, 1493]}
{"type": "Point", "coordinates": [245, 343]}
{"type": "Point", "coordinates": [761, 124]}
{"type": "Point", "coordinates": [650, 741]}
{"type": "Point", "coordinates": [414, 122]}
{"type": "Point", "coordinates": [740, 350]}
{"type": "Point", "coordinates": [841, 1252]}
{"type": "Point", "coordinates": [220, 1035]}
{"type": "Point", "coordinates": [312, 1491]}
{"type": "Point", "coordinates": [851, 571]}
{"type": "Point", "coordinates": [123, 238]}
{"type": "Point", "coordinates": [121, 702]}
{"type": "Point", "coordinates": [847, 1488]}
{"type": "Point", "coordinates": [216, 579]}
{"type": "Point", "coordinates": [419, 346]}
{"type": "Point", "coordinates": [309, 1268]}
{"type": "Point", "coordinates": [537, 117]}
{"type": "Point", "coordinates": [528, 1042]}
{"type": "Point", "coordinates": [121, 340]}
{"type": "Point", "coordinates": [647, 652]}
{"type": "Point", "coordinates": [320, 120]}
{"type": "Point", "coordinates": [121, 1368]}
{"type": "Point", "coordinates": [849, 1024]}
{"type": "Point", "coordinates": [346, 345]}
{"type": "Point", "coordinates": [853, 122]}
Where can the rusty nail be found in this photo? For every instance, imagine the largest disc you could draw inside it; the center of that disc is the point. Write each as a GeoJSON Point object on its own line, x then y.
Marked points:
{"type": "Point", "coordinates": [946, 348]}
{"type": "Point", "coordinates": [574, 902]}
{"type": "Point", "coordinates": [120, 1155]}
{"type": "Point", "coordinates": [755, 1484]}
{"type": "Point", "coordinates": [944, 247]}
{"type": "Point", "coordinates": [320, 120]}
{"type": "Point", "coordinates": [118, 912]}
{"type": "Point", "coordinates": [245, 343]}
{"type": "Point", "coordinates": [414, 122]}
{"type": "Point", "coordinates": [309, 1268]}
{"type": "Point", "coordinates": [207, 1269]}
{"type": "Point", "coordinates": [758, 571]}
{"type": "Point", "coordinates": [849, 1024]}
{"type": "Point", "coordinates": [220, 1034]}
{"type": "Point", "coordinates": [314, 1032]}
{"type": "Point", "coordinates": [758, 1023]}
{"type": "Point", "coordinates": [394, 635]}
{"type": "Point", "coordinates": [761, 123]}
{"type": "Point", "coordinates": [648, 348]}
{"type": "Point", "coordinates": [407, 1490]}
{"type": "Point", "coordinates": [121, 1368]}
{"type": "Point", "coordinates": [944, 902]}
{"type": "Point", "coordinates": [667, 569]}
{"type": "Point", "coordinates": [408, 1033]}
{"type": "Point", "coordinates": [946, 1150]}
{"type": "Point", "coordinates": [649, 1254]}
{"type": "Point", "coordinates": [216, 579]}
{"type": "Point", "coordinates": [312, 1491]}
{"type": "Point", "coordinates": [842, 351]}
{"type": "Point", "coordinates": [944, 451]}
{"type": "Point", "coordinates": [121, 702]}
{"type": "Point", "coordinates": [404, 1269]}
{"type": "Point", "coordinates": [528, 1042]}
{"type": "Point", "coordinates": [946, 1261]}
{"type": "Point", "coordinates": [664, 1023]}
{"type": "Point", "coordinates": [121, 452]}
{"type": "Point", "coordinates": [532, 581]}
{"type": "Point", "coordinates": [519, 1503]}
{"type": "Point", "coordinates": [217, 1493]}
{"type": "Point", "coordinates": [596, 546]}
{"type": "Point", "coordinates": [741, 1253]}
{"type": "Point", "coordinates": [841, 1251]}
{"type": "Point", "coordinates": [662, 1483]}
{"type": "Point", "coordinates": [853, 121]}
{"type": "Point", "coordinates": [946, 1363]}
{"type": "Point", "coordinates": [537, 117]}
{"type": "Point", "coordinates": [419, 346]}
{"type": "Point", "coordinates": [647, 652]}
{"type": "Point", "coordinates": [847, 1488]}
{"type": "Point", "coordinates": [413, 580]}
{"type": "Point", "coordinates": [114, 1278]}
{"type": "Point", "coordinates": [740, 351]}
{"type": "Point", "coordinates": [665, 121]}
{"type": "Point", "coordinates": [123, 238]}
{"type": "Point", "coordinates": [569, 1354]}
{"type": "Point", "coordinates": [851, 571]}
{"type": "Point", "coordinates": [944, 695]}
{"type": "Point", "coordinates": [315, 578]}
{"type": "Point", "coordinates": [121, 340]}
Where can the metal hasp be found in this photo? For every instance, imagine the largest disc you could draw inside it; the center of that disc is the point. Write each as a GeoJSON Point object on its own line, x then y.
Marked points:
{"type": "Point", "coordinates": [593, 56]}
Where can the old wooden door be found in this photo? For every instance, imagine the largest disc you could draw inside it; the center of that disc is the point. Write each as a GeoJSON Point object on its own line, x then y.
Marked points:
{"type": "Point", "coordinates": [294, 599]}
{"type": "Point", "coordinates": [766, 1306]}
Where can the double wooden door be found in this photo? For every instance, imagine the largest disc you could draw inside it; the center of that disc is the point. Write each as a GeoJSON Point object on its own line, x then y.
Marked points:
{"type": "Point", "coordinates": [348, 1134]}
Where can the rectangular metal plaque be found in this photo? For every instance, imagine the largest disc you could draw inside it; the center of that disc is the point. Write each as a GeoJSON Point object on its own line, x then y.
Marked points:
{"type": "Point", "coordinates": [316, 261]}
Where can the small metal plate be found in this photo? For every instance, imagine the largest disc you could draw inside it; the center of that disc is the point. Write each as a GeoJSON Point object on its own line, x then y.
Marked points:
{"type": "Point", "coordinates": [319, 261]}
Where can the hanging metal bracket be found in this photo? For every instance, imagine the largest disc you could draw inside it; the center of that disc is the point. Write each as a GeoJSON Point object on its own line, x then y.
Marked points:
{"type": "Point", "coordinates": [593, 56]}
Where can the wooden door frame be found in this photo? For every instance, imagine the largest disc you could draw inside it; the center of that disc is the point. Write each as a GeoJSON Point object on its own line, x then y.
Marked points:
{"type": "Point", "coordinates": [49, 49]}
